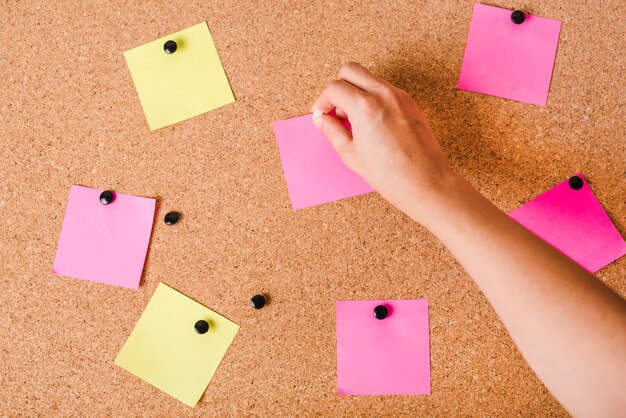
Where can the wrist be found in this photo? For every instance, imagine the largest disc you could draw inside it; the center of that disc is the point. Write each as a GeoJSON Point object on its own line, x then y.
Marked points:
{"type": "Point", "coordinates": [459, 207]}
{"type": "Point", "coordinates": [432, 206]}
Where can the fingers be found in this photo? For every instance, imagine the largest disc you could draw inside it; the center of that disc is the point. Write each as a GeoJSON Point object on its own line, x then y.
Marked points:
{"type": "Point", "coordinates": [345, 95]}
{"type": "Point", "coordinates": [341, 114]}
{"type": "Point", "coordinates": [356, 74]}
{"type": "Point", "coordinates": [338, 94]}
{"type": "Point", "coordinates": [337, 133]}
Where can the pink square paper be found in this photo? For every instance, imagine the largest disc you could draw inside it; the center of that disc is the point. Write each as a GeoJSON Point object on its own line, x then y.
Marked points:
{"type": "Point", "coordinates": [508, 60]}
{"type": "Point", "coordinates": [104, 243]}
{"type": "Point", "coordinates": [383, 357]}
{"type": "Point", "coordinates": [313, 170]}
{"type": "Point", "coordinates": [574, 222]}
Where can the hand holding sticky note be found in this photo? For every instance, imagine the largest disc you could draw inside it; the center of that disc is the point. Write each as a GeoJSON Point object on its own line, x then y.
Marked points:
{"type": "Point", "coordinates": [104, 243]}
{"type": "Point", "coordinates": [179, 76]}
{"type": "Point", "coordinates": [387, 356]}
{"type": "Point", "coordinates": [508, 59]}
{"type": "Point", "coordinates": [177, 345]}
{"type": "Point", "coordinates": [313, 170]}
{"type": "Point", "coordinates": [570, 218]}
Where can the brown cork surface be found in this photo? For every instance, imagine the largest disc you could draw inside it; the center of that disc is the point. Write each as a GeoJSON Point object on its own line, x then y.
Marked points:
{"type": "Point", "coordinates": [69, 114]}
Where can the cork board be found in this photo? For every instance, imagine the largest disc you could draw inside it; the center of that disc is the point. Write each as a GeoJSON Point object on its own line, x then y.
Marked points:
{"type": "Point", "coordinates": [70, 115]}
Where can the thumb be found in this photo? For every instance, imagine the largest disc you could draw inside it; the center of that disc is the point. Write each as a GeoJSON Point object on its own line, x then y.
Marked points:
{"type": "Point", "coordinates": [335, 131]}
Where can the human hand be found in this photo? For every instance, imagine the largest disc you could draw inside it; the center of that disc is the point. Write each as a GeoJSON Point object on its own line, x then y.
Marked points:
{"type": "Point", "coordinates": [391, 144]}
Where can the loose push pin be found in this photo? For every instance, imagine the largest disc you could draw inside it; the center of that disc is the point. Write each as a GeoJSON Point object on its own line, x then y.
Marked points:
{"type": "Point", "coordinates": [170, 47]}
{"type": "Point", "coordinates": [380, 312]}
{"type": "Point", "coordinates": [575, 183]}
{"type": "Point", "coordinates": [257, 301]}
{"type": "Point", "coordinates": [171, 218]}
{"type": "Point", "coordinates": [201, 327]}
{"type": "Point", "coordinates": [518, 17]}
{"type": "Point", "coordinates": [107, 197]}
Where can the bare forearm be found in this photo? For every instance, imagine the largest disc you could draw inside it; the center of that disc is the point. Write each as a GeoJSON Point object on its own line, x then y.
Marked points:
{"type": "Point", "coordinates": [570, 327]}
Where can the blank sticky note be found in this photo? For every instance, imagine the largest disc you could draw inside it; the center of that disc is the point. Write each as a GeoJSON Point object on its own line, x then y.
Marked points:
{"type": "Point", "coordinates": [509, 60]}
{"type": "Point", "coordinates": [574, 222]}
{"type": "Point", "coordinates": [179, 86]}
{"type": "Point", "coordinates": [383, 357]}
{"type": "Point", "coordinates": [165, 350]}
{"type": "Point", "coordinates": [104, 243]}
{"type": "Point", "coordinates": [313, 170]}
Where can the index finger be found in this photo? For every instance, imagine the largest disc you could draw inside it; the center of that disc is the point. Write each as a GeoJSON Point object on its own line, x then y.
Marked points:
{"type": "Point", "coordinates": [338, 93]}
{"type": "Point", "coordinates": [356, 74]}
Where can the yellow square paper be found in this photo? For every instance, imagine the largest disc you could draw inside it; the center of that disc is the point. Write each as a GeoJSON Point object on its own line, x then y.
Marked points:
{"type": "Point", "coordinates": [178, 86]}
{"type": "Point", "coordinates": [165, 350]}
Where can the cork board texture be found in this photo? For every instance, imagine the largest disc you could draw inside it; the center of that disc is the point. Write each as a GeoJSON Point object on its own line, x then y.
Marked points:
{"type": "Point", "coordinates": [70, 114]}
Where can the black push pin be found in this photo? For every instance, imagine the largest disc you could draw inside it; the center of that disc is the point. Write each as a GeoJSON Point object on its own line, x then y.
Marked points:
{"type": "Point", "coordinates": [518, 17]}
{"type": "Point", "coordinates": [380, 312]}
{"type": "Point", "coordinates": [575, 183]}
{"type": "Point", "coordinates": [107, 197]}
{"type": "Point", "coordinates": [257, 301]}
{"type": "Point", "coordinates": [170, 47]}
{"type": "Point", "coordinates": [171, 218]}
{"type": "Point", "coordinates": [201, 327]}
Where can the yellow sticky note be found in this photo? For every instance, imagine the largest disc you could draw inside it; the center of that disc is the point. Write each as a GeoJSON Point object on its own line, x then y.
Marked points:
{"type": "Point", "coordinates": [165, 350]}
{"type": "Point", "coordinates": [178, 86]}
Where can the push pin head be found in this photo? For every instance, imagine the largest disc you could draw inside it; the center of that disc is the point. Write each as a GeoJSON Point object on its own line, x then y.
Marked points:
{"type": "Point", "coordinates": [257, 301]}
{"type": "Point", "coordinates": [107, 197]}
{"type": "Point", "coordinates": [170, 47]}
{"type": "Point", "coordinates": [171, 218]}
{"type": "Point", "coordinates": [575, 183]}
{"type": "Point", "coordinates": [380, 312]}
{"type": "Point", "coordinates": [201, 327]}
{"type": "Point", "coordinates": [518, 17]}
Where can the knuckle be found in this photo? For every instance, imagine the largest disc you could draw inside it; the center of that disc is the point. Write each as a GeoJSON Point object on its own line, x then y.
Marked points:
{"type": "Point", "coordinates": [341, 147]}
{"type": "Point", "coordinates": [394, 96]}
{"type": "Point", "coordinates": [386, 92]}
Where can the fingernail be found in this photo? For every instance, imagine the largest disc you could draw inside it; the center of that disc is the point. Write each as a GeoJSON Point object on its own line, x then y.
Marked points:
{"type": "Point", "coordinates": [317, 115]}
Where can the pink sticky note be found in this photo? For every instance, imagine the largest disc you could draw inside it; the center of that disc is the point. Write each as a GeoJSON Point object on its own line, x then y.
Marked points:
{"type": "Point", "coordinates": [383, 357]}
{"type": "Point", "coordinates": [104, 243]}
{"type": "Point", "coordinates": [508, 60]}
{"type": "Point", "coordinates": [313, 170]}
{"type": "Point", "coordinates": [574, 222]}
